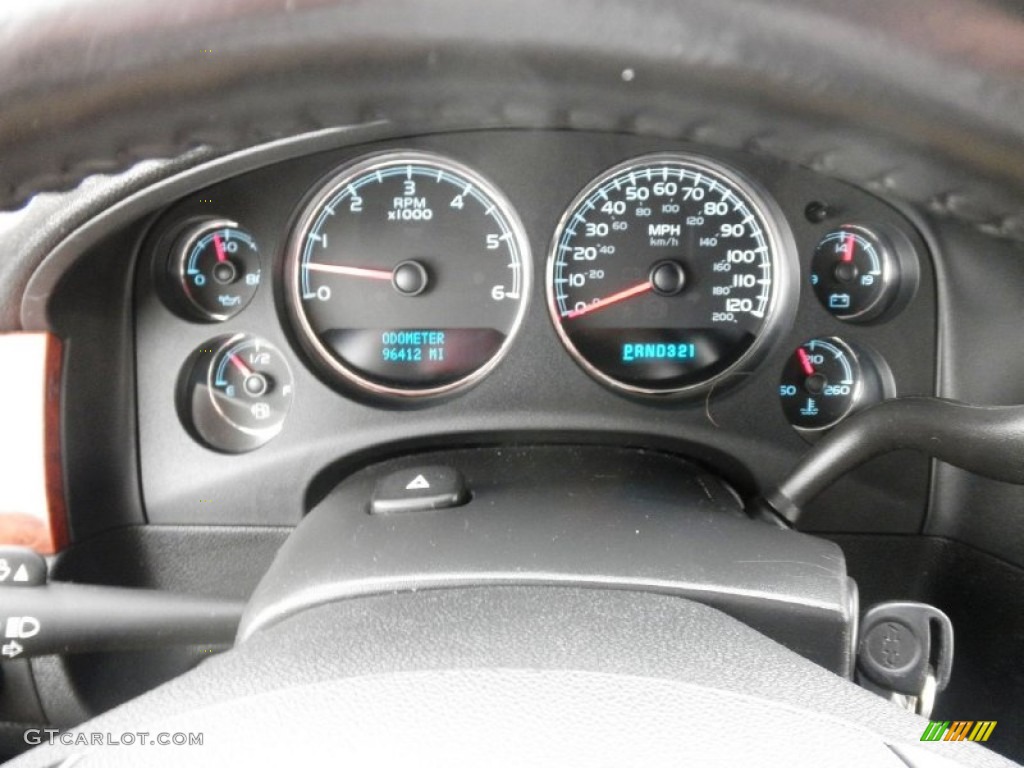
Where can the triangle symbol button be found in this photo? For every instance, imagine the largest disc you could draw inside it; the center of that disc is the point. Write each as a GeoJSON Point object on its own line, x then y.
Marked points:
{"type": "Point", "coordinates": [418, 483]}
{"type": "Point", "coordinates": [21, 574]}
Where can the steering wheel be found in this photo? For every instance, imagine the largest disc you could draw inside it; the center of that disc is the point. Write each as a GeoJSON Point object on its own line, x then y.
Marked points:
{"type": "Point", "coordinates": [920, 99]}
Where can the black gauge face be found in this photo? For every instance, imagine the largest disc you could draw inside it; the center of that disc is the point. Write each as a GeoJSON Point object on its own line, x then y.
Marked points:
{"type": "Point", "coordinates": [239, 392]}
{"type": "Point", "coordinates": [664, 274]}
{"type": "Point", "coordinates": [822, 383]}
{"type": "Point", "coordinates": [408, 275]}
{"type": "Point", "coordinates": [217, 270]}
{"type": "Point", "coordinates": [852, 273]}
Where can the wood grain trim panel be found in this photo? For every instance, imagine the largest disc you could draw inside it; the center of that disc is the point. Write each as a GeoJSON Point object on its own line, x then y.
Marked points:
{"type": "Point", "coordinates": [32, 506]}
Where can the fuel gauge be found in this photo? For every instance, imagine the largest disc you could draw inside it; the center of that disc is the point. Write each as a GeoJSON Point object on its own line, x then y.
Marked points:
{"type": "Point", "coordinates": [238, 393]}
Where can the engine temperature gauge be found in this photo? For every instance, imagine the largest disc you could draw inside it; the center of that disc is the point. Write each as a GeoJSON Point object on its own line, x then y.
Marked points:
{"type": "Point", "coordinates": [824, 381]}
{"type": "Point", "coordinates": [238, 393]}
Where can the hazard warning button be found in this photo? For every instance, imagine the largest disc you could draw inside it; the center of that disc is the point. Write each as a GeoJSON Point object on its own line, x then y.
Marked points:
{"type": "Point", "coordinates": [419, 488]}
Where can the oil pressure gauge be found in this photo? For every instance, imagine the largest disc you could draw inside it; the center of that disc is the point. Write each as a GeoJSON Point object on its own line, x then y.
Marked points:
{"type": "Point", "coordinates": [216, 268]}
{"type": "Point", "coordinates": [237, 393]}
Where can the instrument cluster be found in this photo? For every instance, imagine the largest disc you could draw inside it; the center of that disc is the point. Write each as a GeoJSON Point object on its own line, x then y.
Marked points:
{"type": "Point", "coordinates": [406, 274]}
{"type": "Point", "coordinates": [299, 314]}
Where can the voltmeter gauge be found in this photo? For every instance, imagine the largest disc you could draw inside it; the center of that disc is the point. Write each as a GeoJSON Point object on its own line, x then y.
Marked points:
{"type": "Point", "coordinates": [854, 274]}
{"type": "Point", "coordinates": [216, 266]}
{"type": "Point", "coordinates": [825, 380]}
{"type": "Point", "coordinates": [237, 392]}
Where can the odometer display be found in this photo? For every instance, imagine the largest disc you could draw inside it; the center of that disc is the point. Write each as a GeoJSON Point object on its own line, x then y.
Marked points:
{"type": "Point", "coordinates": [665, 273]}
{"type": "Point", "coordinates": [408, 274]}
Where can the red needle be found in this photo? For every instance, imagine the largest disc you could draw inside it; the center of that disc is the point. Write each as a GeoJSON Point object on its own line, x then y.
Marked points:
{"type": "Point", "coordinates": [615, 298]}
{"type": "Point", "coordinates": [805, 361]}
{"type": "Point", "coordinates": [240, 365]}
{"type": "Point", "coordinates": [848, 245]}
{"type": "Point", "coordinates": [373, 274]}
{"type": "Point", "coordinates": [218, 243]}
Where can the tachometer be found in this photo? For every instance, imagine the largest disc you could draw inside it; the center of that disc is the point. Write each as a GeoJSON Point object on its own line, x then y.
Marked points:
{"type": "Point", "coordinates": [408, 274]}
{"type": "Point", "coordinates": [667, 273]}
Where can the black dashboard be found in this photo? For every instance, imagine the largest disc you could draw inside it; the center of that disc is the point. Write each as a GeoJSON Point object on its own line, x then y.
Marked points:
{"type": "Point", "coordinates": [623, 280]}
{"type": "Point", "coordinates": [536, 391]}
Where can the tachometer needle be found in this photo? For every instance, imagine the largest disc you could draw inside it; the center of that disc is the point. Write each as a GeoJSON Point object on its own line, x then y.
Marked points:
{"type": "Point", "coordinates": [218, 243]}
{"type": "Point", "coordinates": [236, 360]}
{"type": "Point", "coordinates": [848, 245]}
{"type": "Point", "coordinates": [337, 269]}
{"type": "Point", "coordinates": [805, 361]}
{"type": "Point", "coordinates": [615, 298]}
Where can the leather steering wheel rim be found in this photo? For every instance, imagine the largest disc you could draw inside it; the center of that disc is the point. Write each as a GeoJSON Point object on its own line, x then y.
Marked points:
{"type": "Point", "coordinates": [511, 675]}
{"type": "Point", "coordinates": [919, 98]}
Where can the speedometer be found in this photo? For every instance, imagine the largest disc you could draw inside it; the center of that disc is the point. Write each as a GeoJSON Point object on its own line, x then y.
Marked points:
{"type": "Point", "coordinates": [667, 273]}
{"type": "Point", "coordinates": [408, 275]}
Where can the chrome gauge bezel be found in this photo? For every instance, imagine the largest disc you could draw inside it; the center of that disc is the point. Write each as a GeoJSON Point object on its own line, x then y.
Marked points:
{"type": "Point", "coordinates": [183, 248]}
{"type": "Point", "coordinates": [857, 371]}
{"type": "Point", "coordinates": [262, 434]}
{"type": "Point", "coordinates": [781, 306]}
{"type": "Point", "coordinates": [201, 411]}
{"type": "Point", "coordinates": [888, 266]}
{"type": "Point", "coordinates": [322, 357]}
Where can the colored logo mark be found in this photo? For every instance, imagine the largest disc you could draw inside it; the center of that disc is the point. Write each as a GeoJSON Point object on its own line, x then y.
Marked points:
{"type": "Point", "coordinates": [958, 730]}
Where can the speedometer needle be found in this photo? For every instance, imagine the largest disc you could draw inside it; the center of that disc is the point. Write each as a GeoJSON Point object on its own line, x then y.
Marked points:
{"type": "Point", "coordinates": [337, 269]}
{"type": "Point", "coordinates": [615, 298]}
